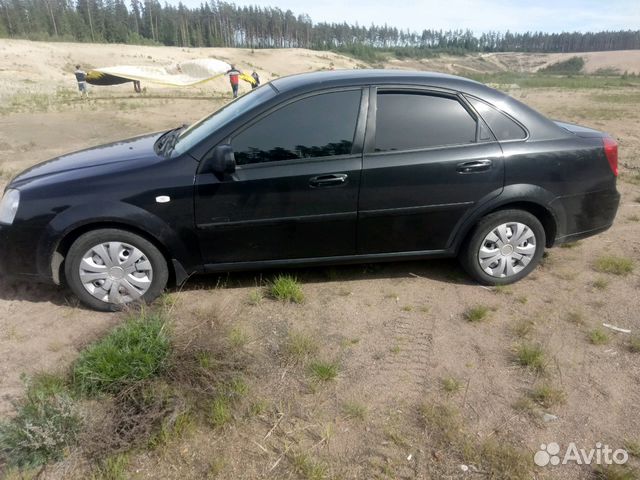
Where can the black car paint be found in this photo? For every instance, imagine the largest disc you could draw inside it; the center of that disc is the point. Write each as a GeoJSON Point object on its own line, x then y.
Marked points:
{"type": "Point", "coordinates": [394, 205]}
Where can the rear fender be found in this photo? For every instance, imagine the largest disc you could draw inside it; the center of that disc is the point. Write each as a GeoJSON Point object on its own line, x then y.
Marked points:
{"type": "Point", "coordinates": [518, 195]}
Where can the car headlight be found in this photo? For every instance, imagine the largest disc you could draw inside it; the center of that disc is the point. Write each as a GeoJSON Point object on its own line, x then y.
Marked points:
{"type": "Point", "coordinates": [9, 206]}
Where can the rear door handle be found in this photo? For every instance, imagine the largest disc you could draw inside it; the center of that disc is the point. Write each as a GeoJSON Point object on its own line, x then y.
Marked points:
{"type": "Point", "coordinates": [331, 180]}
{"type": "Point", "coordinates": [474, 166]}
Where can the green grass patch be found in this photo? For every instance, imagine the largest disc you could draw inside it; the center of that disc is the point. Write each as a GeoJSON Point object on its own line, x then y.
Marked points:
{"type": "Point", "coordinates": [531, 356]}
{"type": "Point", "coordinates": [299, 345]}
{"type": "Point", "coordinates": [613, 265]}
{"type": "Point", "coordinates": [238, 337]}
{"type": "Point", "coordinates": [523, 328]}
{"type": "Point", "coordinates": [614, 472]}
{"type": "Point", "coordinates": [450, 384]}
{"type": "Point", "coordinates": [219, 411]}
{"type": "Point", "coordinates": [47, 423]}
{"type": "Point", "coordinates": [476, 314]}
{"type": "Point", "coordinates": [354, 410]}
{"type": "Point", "coordinates": [175, 426]}
{"type": "Point", "coordinates": [634, 344]}
{"type": "Point", "coordinates": [547, 395]}
{"type": "Point", "coordinates": [308, 468]}
{"type": "Point", "coordinates": [600, 284]}
{"type": "Point", "coordinates": [632, 447]}
{"type": "Point", "coordinates": [324, 371]}
{"type": "Point", "coordinates": [497, 458]}
{"type": "Point", "coordinates": [542, 80]}
{"type": "Point", "coordinates": [575, 317]}
{"type": "Point", "coordinates": [112, 468]}
{"type": "Point", "coordinates": [571, 66]}
{"type": "Point", "coordinates": [136, 350]}
{"type": "Point", "coordinates": [286, 288]}
{"type": "Point", "coordinates": [597, 336]}
{"type": "Point", "coordinates": [255, 296]}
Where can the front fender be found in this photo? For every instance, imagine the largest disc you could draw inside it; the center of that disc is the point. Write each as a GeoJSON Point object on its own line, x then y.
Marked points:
{"type": "Point", "coordinates": [511, 194]}
{"type": "Point", "coordinates": [181, 247]}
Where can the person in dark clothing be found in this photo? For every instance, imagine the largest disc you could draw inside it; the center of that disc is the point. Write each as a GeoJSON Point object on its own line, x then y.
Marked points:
{"type": "Point", "coordinates": [256, 77]}
{"type": "Point", "coordinates": [81, 78]}
{"type": "Point", "coordinates": [136, 86]}
{"type": "Point", "coordinates": [234, 78]}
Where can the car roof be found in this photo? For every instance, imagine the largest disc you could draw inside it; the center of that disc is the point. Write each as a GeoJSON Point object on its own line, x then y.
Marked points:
{"type": "Point", "coordinates": [338, 78]}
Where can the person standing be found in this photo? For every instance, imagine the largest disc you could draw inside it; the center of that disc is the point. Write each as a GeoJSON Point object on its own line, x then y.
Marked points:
{"type": "Point", "coordinates": [234, 79]}
{"type": "Point", "coordinates": [256, 77]}
{"type": "Point", "coordinates": [81, 78]}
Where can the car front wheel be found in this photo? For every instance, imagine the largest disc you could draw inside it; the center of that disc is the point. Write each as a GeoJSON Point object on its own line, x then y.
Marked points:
{"type": "Point", "coordinates": [504, 247]}
{"type": "Point", "coordinates": [109, 268]}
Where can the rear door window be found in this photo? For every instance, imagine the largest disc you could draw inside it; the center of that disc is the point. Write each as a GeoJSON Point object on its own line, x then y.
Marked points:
{"type": "Point", "coordinates": [409, 121]}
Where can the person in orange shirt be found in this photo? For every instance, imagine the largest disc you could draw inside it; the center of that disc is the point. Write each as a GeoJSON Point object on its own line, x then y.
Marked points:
{"type": "Point", "coordinates": [234, 78]}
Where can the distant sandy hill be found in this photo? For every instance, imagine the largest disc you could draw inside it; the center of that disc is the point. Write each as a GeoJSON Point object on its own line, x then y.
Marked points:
{"type": "Point", "coordinates": [27, 67]}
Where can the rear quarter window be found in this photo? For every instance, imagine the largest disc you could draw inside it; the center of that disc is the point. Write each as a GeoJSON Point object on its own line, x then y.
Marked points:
{"type": "Point", "coordinates": [502, 126]}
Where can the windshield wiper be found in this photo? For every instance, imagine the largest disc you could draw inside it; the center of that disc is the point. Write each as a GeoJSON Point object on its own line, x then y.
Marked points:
{"type": "Point", "coordinates": [167, 140]}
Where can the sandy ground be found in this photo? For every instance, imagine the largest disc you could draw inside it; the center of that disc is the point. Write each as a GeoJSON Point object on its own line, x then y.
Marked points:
{"type": "Point", "coordinates": [395, 329]}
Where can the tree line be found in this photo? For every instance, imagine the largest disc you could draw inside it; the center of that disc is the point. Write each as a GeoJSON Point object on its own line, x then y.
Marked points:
{"type": "Point", "coordinates": [221, 24]}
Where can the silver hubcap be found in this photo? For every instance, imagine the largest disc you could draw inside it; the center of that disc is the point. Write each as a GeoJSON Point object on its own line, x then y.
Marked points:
{"type": "Point", "coordinates": [115, 272]}
{"type": "Point", "coordinates": [507, 249]}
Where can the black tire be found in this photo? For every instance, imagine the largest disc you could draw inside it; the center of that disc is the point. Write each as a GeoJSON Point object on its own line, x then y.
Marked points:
{"type": "Point", "coordinates": [87, 241]}
{"type": "Point", "coordinates": [469, 255]}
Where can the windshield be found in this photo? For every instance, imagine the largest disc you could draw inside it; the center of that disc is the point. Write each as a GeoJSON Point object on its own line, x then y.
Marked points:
{"type": "Point", "coordinates": [209, 124]}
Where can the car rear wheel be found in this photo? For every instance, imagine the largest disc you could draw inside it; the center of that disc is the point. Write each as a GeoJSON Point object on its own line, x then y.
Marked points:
{"type": "Point", "coordinates": [504, 247]}
{"type": "Point", "coordinates": [109, 268]}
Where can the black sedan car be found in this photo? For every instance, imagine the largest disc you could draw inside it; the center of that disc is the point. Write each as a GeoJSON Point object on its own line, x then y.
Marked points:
{"type": "Point", "coordinates": [319, 168]}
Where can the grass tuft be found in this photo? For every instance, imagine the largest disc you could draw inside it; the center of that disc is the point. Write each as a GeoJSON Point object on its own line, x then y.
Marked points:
{"type": "Point", "coordinates": [298, 346]}
{"type": "Point", "coordinates": [634, 344]}
{"type": "Point", "coordinates": [531, 356]}
{"type": "Point", "coordinates": [112, 468]}
{"type": "Point", "coordinates": [600, 283]}
{"type": "Point", "coordinates": [523, 328]}
{"type": "Point", "coordinates": [547, 396]}
{"type": "Point", "coordinates": [476, 314]}
{"type": "Point", "coordinates": [597, 336]}
{"type": "Point", "coordinates": [450, 384]}
{"type": "Point", "coordinates": [613, 265]}
{"type": "Point", "coordinates": [323, 371]}
{"type": "Point", "coordinates": [47, 423]}
{"type": "Point", "coordinates": [286, 288]}
{"type": "Point", "coordinates": [219, 411]}
{"type": "Point", "coordinates": [575, 317]}
{"type": "Point", "coordinates": [255, 297]}
{"type": "Point", "coordinates": [136, 350]}
{"type": "Point", "coordinates": [632, 447]}
{"type": "Point", "coordinates": [614, 472]}
{"type": "Point", "coordinates": [308, 468]}
{"type": "Point", "coordinates": [354, 410]}
{"type": "Point", "coordinates": [238, 337]}
{"type": "Point", "coordinates": [441, 421]}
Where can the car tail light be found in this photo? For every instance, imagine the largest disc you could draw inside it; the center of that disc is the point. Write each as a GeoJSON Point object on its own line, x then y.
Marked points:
{"type": "Point", "coordinates": [611, 151]}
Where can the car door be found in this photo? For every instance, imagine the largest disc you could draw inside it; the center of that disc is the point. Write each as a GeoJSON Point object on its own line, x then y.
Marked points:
{"type": "Point", "coordinates": [428, 160]}
{"type": "Point", "coordinates": [295, 189]}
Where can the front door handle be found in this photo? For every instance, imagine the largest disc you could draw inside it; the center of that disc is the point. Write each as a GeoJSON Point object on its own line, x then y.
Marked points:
{"type": "Point", "coordinates": [474, 166]}
{"type": "Point", "coordinates": [331, 180]}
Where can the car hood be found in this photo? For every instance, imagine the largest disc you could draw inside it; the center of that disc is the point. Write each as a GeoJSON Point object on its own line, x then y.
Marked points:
{"type": "Point", "coordinates": [121, 151]}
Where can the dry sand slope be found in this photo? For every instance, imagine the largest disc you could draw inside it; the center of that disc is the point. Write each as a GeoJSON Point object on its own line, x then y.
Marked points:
{"type": "Point", "coordinates": [397, 330]}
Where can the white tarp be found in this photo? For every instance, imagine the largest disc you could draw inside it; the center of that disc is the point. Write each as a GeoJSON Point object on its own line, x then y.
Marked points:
{"type": "Point", "coordinates": [181, 74]}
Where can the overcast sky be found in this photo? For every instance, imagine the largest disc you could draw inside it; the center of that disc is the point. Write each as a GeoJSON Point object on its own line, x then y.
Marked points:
{"type": "Point", "coordinates": [479, 16]}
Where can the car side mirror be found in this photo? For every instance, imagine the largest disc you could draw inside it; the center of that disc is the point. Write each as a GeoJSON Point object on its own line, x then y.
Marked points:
{"type": "Point", "coordinates": [222, 160]}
